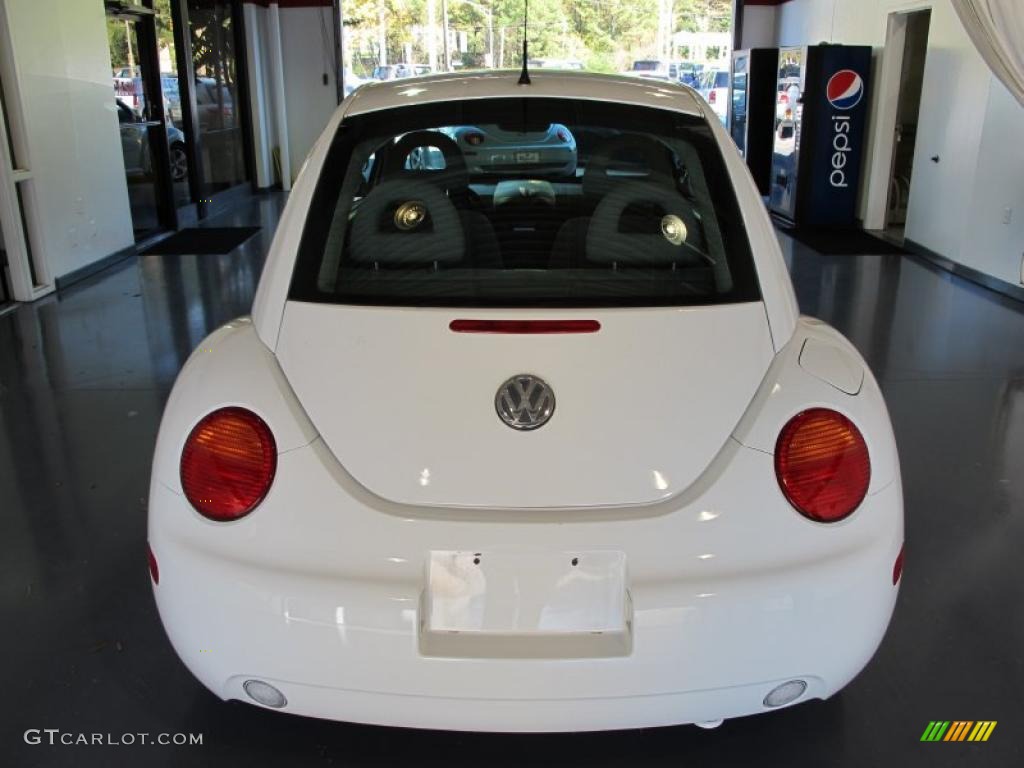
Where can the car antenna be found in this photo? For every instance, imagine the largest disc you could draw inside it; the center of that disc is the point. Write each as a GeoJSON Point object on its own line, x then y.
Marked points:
{"type": "Point", "coordinates": [524, 76]}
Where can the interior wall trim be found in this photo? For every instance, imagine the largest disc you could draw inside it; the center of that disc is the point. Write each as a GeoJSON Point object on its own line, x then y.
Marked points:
{"type": "Point", "coordinates": [962, 270]}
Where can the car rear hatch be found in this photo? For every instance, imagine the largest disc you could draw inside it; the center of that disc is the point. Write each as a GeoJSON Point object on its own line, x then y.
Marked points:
{"type": "Point", "coordinates": [407, 405]}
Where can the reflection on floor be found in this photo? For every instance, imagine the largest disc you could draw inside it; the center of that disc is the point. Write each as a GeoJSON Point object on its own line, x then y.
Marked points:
{"type": "Point", "coordinates": [83, 377]}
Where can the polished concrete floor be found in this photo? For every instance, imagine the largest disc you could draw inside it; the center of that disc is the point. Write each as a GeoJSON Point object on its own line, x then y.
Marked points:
{"type": "Point", "coordinates": [84, 375]}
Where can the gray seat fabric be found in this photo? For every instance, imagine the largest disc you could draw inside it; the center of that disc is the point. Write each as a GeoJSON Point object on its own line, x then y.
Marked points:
{"type": "Point", "coordinates": [610, 166]}
{"type": "Point", "coordinates": [378, 239]}
{"type": "Point", "coordinates": [570, 246]}
{"type": "Point", "coordinates": [649, 204]}
{"type": "Point", "coordinates": [482, 248]}
{"type": "Point", "coordinates": [626, 156]}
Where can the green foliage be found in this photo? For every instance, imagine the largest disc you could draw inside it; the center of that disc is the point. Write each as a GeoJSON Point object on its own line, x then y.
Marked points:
{"type": "Point", "coordinates": [604, 34]}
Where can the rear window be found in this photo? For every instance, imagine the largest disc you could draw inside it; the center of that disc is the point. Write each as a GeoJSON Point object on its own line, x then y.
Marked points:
{"type": "Point", "coordinates": [524, 202]}
{"type": "Point", "coordinates": [721, 79]}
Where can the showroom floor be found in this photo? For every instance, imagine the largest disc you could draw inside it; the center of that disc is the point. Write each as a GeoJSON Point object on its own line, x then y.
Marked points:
{"type": "Point", "coordinates": [83, 377]}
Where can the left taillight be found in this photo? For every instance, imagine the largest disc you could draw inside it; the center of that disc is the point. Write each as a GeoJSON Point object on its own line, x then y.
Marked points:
{"type": "Point", "coordinates": [228, 464]}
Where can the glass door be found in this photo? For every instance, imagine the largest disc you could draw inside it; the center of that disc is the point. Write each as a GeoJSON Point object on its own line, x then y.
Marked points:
{"type": "Point", "coordinates": [147, 137]}
{"type": "Point", "coordinates": [738, 103]}
{"type": "Point", "coordinates": [220, 116]}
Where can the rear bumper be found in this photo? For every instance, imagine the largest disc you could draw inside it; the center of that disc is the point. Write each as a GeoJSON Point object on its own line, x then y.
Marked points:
{"type": "Point", "coordinates": [323, 600]}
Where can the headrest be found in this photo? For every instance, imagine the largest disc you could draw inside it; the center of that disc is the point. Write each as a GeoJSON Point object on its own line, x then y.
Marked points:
{"type": "Point", "coordinates": [406, 222]}
{"type": "Point", "coordinates": [454, 174]}
{"type": "Point", "coordinates": [633, 155]}
{"type": "Point", "coordinates": [641, 222]}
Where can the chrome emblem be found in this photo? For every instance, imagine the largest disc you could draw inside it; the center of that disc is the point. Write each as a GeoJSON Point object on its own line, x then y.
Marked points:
{"type": "Point", "coordinates": [525, 402]}
{"type": "Point", "coordinates": [673, 229]}
{"type": "Point", "coordinates": [410, 215]}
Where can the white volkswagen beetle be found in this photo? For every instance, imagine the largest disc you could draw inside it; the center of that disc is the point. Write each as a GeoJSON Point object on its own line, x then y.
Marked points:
{"type": "Point", "coordinates": [518, 454]}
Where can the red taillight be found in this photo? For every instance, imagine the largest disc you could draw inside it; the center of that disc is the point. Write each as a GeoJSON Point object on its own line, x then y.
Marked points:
{"type": "Point", "coordinates": [524, 326]}
{"type": "Point", "coordinates": [821, 461]}
{"type": "Point", "coordinates": [228, 464]}
{"type": "Point", "coordinates": [897, 568]}
{"type": "Point", "coordinates": [783, 98]}
{"type": "Point", "coordinates": [154, 569]}
{"type": "Point", "coordinates": [474, 139]}
{"type": "Point", "coordinates": [712, 98]}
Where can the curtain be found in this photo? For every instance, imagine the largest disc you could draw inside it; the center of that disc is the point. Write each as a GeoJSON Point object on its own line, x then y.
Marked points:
{"type": "Point", "coordinates": [996, 27]}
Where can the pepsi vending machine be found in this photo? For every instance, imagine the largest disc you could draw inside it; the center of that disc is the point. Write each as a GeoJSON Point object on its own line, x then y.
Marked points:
{"type": "Point", "coordinates": [819, 133]}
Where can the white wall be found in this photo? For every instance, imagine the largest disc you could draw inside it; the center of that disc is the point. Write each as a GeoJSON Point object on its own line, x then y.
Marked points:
{"type": "Point", "coordinates": [760, 26]}
{"type": "Point", "coordinates": [63, 80]}
{"type": "Point", "coordinates": [989, 242]}
{"type": "Point", "coordinates": [307, 55]}
{"type": "Point", "coordinates": [967, 119]}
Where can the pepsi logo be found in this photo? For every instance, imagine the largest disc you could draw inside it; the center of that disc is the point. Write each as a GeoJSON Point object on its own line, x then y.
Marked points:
{"type": "Point", "coordinates": [845, 89]}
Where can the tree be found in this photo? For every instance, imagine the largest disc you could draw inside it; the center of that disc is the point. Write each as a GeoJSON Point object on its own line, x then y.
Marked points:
{"type": "Point", "coordinates": [607, 35]}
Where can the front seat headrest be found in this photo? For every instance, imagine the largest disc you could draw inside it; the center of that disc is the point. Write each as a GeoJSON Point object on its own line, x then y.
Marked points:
{"type": "Point", "coordinates": [455, 174]}
{"type": "Point", "coordinates": [621, 157]}
{"type": "Point", "coordinates": [407, 222]}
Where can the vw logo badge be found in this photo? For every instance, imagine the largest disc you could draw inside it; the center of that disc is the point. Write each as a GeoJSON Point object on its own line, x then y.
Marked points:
{"type": "Point", "coordinates": [525, 402]}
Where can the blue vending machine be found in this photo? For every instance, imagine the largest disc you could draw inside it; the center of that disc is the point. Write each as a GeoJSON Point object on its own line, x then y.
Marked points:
{"type": "Point", "coordinates": [819, 133]}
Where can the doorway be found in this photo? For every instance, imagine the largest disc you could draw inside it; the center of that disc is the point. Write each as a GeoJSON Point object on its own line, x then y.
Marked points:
{"type": "Point", "coordinates": [150, 143]}
{"type": "Point", "coordinates": [908, 104]}
{"type": "Point", "coordinates": [210, 51]}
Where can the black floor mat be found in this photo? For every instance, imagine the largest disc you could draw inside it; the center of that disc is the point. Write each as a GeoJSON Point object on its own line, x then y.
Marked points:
{"type": "Point", "coordinates": [842, 242]}
{"type": "Point", "coordinates": [202, 241]}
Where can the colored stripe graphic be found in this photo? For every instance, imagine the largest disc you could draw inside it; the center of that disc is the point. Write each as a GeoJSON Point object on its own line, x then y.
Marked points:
{"type": "Point", "coordinates": [958, 730]}
{"type": "Point", "coordinates": [982, 730]}
{"type": "Point", "coordinates": [935, 730]}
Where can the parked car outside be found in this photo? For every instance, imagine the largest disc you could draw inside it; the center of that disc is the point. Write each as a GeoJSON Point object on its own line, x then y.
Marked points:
{"type": "Point", "coordinates": [715, 90]}
{"type": "Point", "coordinates": [215, 105]}
{"type": "Point", "coordinates": [690, 73]}
{"type": "Point", "coordinates": [653, 69]}
{"type": "Point", "coordinates": [136, 149]}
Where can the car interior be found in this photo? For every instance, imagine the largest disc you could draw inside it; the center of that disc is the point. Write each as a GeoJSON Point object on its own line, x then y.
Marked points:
{"type": "Point", "coordinates": [511, 220]}
{"type": "Point", "coordinates": [633, 218]}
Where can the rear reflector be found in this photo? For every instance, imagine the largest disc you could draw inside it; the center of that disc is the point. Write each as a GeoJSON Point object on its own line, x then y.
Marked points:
{"type": "Point", "coordinates": [264, 693]}
{"type": "Point", "coordinates": [524, 326]}
{"type": "Point", "coordinates": [822, 464]}
{"type": "Point", "coordinates": [154, 570]}
{"type": "Point", "coordinates": [897, 568]}
{"type": "Point", "coordinates": [785, 693]}
{"type": "Point", "coordinates": [228, 464]}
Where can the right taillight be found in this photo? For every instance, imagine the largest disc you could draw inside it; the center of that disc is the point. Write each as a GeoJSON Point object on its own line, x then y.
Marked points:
{"type": "Point", "coordinates": [712, 98]}
{"type": "Point", "coordinates": [822, 464]}
{"type": "Point", "coordinates": [228, 464]}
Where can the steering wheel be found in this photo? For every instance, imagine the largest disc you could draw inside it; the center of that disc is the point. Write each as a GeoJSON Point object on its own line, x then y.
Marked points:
{"type": "Point", "coordinates": [406, 221]}
{"type": "Point", "coordinates": [677, 236]}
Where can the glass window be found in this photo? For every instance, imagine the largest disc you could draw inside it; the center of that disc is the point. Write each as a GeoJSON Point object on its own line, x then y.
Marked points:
{"type": "Point", "coordinates": [524, 202]}
{"type": "Point", "coordinates": [212, 26]}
